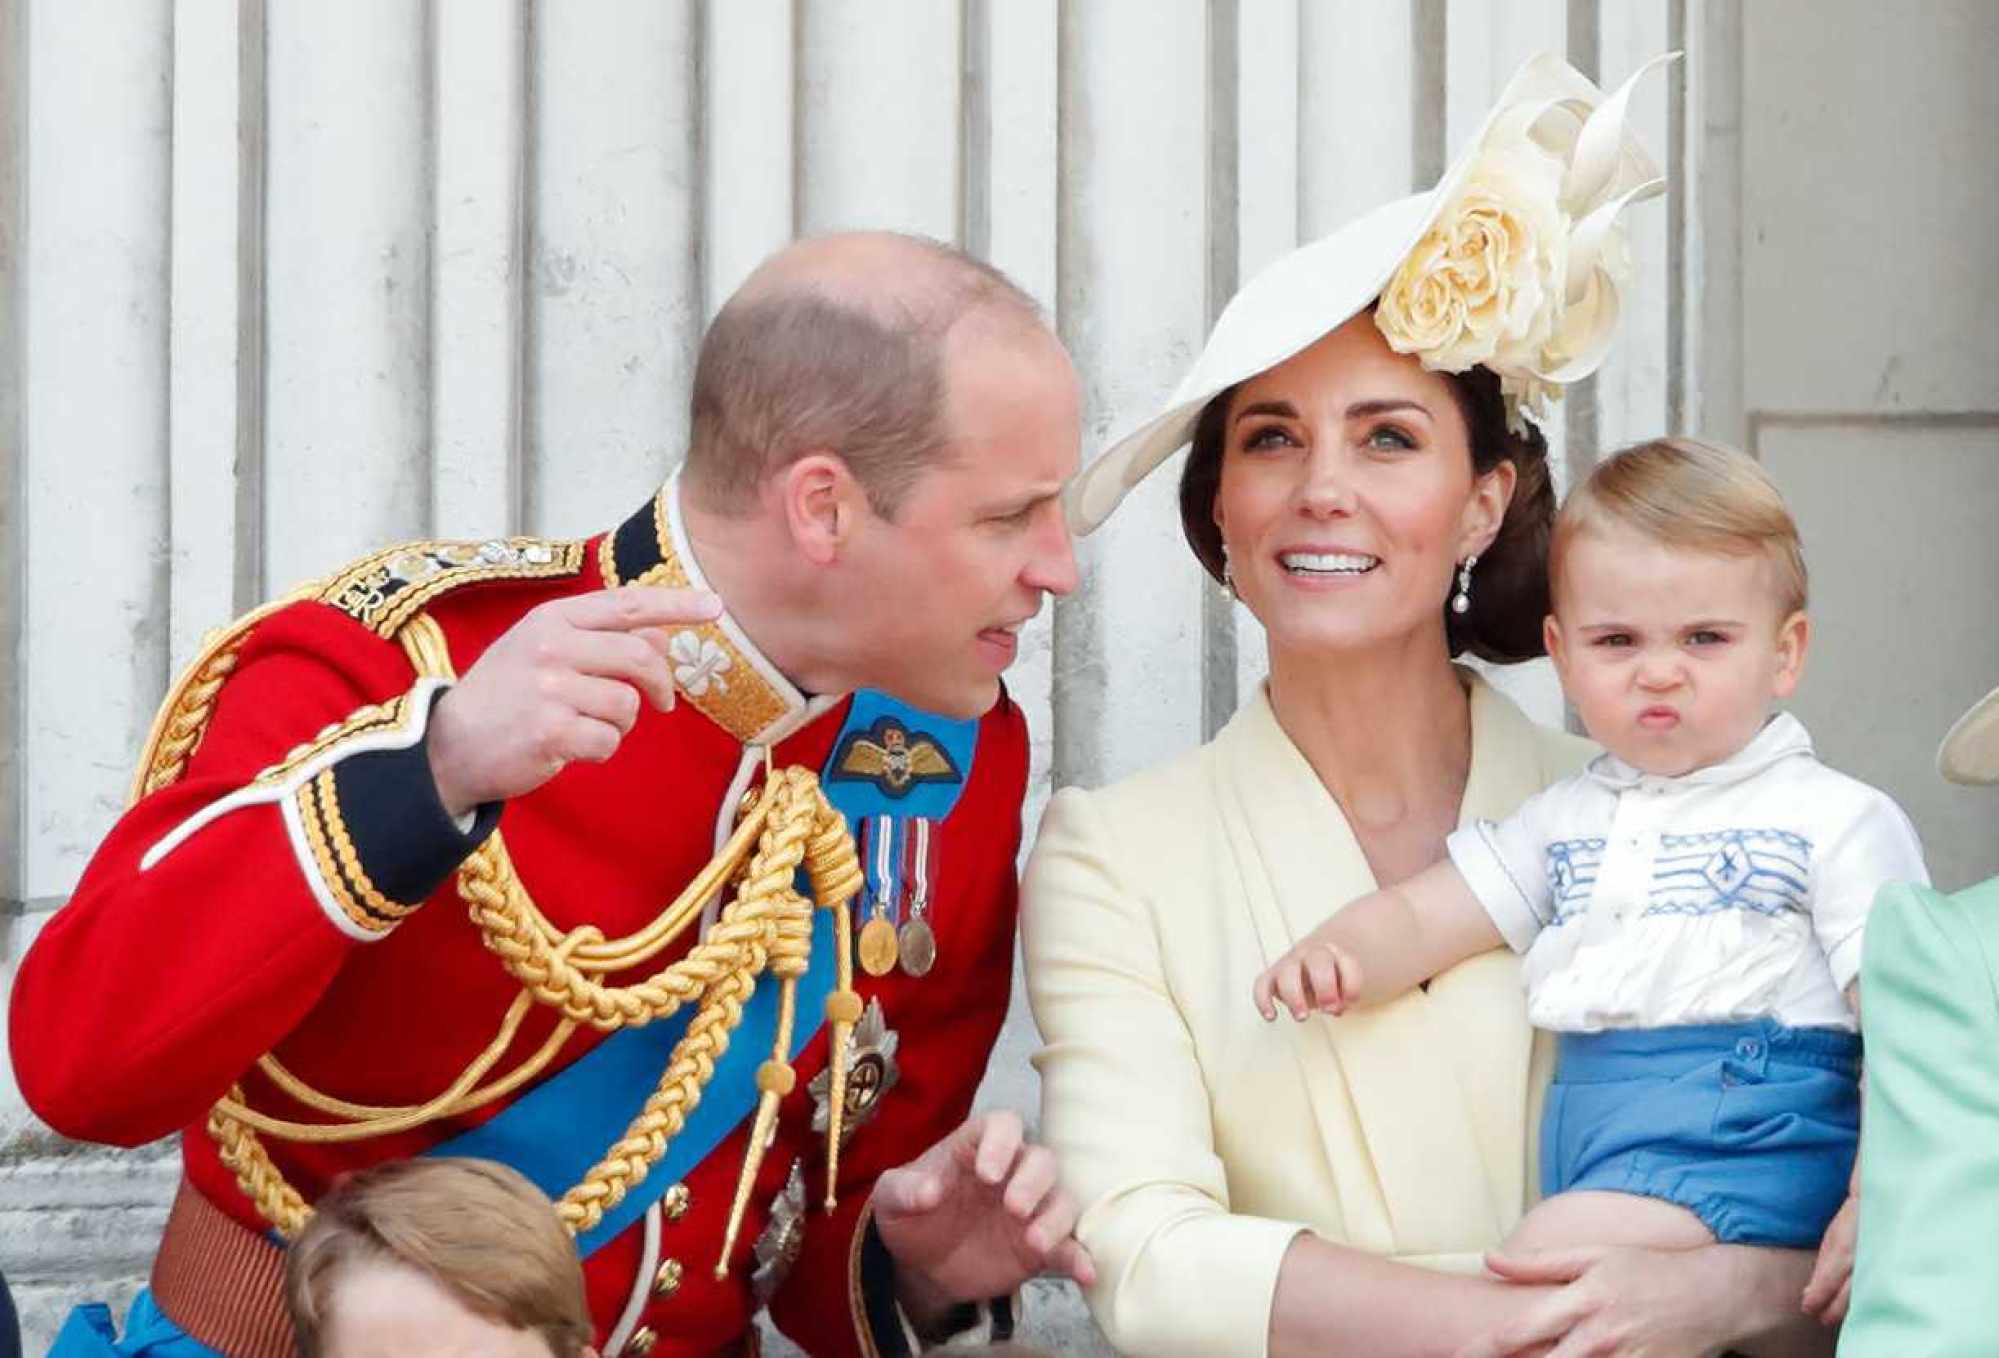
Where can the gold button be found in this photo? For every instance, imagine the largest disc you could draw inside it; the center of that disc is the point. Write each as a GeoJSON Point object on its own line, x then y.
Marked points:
{"type": "Point", "coordinates": [642, 1342]}
{"type": "Point", "coordinates": [666, 1282]}
{"type": "Point", "coordinates": [676, 1202]}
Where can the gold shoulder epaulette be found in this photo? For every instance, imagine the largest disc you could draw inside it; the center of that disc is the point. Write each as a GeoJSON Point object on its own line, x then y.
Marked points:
{"type": "Point", "coordinates": [385, 590]}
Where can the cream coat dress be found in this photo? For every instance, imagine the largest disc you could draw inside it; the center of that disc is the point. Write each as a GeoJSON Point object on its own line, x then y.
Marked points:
{"type": "Point", "coordinates": [1199, 1139]}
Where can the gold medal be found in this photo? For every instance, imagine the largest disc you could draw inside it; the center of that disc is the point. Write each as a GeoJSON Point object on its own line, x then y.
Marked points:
{"type": "Point", "coordinates": [918, 947]}
{"type": "Point", "coordinates": [878, 947]}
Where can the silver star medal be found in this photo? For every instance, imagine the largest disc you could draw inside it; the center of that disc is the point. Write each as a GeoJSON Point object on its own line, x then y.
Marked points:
{"type": "Point", "coordinates": [871, 1073]}
{"type": "Point", "coordinates": [783, 1236]}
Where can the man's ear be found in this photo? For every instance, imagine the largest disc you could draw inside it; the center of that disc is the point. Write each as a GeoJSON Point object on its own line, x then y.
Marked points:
{"type": "Point", "coordinates": [1794, 638]}
{"type": "Point", "coordinates": [820, 500]}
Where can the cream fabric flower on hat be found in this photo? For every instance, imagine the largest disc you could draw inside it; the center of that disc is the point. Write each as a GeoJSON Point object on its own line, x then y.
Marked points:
{"type": "Point", "coordinates": [1485, 285]}
{"type": "Point", "coordinates": [1513, 261]}
{"type": "Point", "coordinates": [1522, 270]}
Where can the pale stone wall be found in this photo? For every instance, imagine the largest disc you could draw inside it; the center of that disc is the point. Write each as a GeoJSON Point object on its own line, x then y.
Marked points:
{"type": "Point", "coordinates": [282, 281]}
{"type": "Point", "coordinates": [1871, 377]}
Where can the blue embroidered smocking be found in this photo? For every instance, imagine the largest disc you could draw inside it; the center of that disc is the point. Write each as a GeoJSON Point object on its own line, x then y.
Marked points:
{"type": "Point", "coordinates": [1572, 869]}
{"type": "Point", "coordinates": [1760, 869]}
{"type": "Point", "coordinates": [1756, 868]}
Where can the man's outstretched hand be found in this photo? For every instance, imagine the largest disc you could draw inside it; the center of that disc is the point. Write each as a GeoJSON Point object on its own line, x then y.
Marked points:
{"type": "Point", "coordinates": [975, 1216]}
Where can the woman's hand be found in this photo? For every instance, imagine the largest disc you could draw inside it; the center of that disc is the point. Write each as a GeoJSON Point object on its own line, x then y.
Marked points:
{"type": "Point", "coordinates": [1632, 1303]}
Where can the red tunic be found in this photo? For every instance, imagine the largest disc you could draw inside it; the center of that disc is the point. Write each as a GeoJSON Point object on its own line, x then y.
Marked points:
{"type": "Point", "coordinates": [153, 990]}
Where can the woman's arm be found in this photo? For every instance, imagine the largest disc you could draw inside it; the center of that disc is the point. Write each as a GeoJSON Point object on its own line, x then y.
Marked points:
{"type": "Point", "coordinates": [1926, 1279]}
{"type": "Point", "coordinates": [1125, 1106]}
{"type": "Point", "coordinates": [1128, 1109]}
{"type": "Point", "coordinates": [1331, 1299]}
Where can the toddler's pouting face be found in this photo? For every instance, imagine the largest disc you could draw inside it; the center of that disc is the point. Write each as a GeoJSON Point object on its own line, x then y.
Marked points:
{"type": "Point", "coordinates": [1672, 655]}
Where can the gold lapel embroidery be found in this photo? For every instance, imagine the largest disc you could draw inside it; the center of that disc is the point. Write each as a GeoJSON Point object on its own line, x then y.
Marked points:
{"type": "Point", "coordinates": [720, 677]}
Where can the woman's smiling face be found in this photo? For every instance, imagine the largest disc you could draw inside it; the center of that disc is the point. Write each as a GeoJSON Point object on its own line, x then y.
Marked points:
{"type": "Point", "coordinates": [1347, 494]}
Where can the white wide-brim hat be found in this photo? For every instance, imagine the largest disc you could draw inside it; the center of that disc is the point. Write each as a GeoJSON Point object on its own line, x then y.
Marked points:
{"type": "Point", "coordinates": [1970, 750]}
{"type": "Point", "coordinates": [1558, 147]}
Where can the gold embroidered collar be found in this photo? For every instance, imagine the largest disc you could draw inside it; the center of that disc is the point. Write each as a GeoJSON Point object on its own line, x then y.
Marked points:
{"type": "Point", "coordinates": [715, 664]}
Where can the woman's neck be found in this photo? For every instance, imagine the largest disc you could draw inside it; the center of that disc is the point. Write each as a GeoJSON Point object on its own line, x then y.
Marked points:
{"type": "Point", "coordinates": [1387, 730]}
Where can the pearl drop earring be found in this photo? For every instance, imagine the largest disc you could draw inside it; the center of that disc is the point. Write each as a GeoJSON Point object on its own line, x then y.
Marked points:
{"type": "Point", "coordinates": [1461, 602]}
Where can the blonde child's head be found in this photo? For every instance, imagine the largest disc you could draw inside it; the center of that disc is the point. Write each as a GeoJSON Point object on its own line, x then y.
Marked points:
{"type": "Point", "coordinates": [437, 1255]}
{"type": "Point", "coordinates": [1678, 587]}
{"type": "Point", "coordinates": [1686, 493]}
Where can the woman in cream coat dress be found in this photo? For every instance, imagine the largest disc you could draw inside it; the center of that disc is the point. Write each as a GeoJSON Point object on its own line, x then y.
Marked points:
{"type": "Point", "coordinates": [1254, 1188]}
{"type": "Point", "coordinates": [1203, 1138]}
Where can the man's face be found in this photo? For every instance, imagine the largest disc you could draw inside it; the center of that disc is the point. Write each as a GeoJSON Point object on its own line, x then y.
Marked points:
{"type": "Point", "coordinates": [946, 584]}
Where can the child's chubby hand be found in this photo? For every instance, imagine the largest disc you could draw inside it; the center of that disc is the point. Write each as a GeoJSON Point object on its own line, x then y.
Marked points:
{"type": "Point", "coordinates": [1831, 1285]}
{"type": "Point", "coordinates": [1315, 975]}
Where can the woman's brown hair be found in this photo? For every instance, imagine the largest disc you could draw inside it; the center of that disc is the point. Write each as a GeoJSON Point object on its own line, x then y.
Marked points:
{"type": "Point", "coordinates": [1509, 593]}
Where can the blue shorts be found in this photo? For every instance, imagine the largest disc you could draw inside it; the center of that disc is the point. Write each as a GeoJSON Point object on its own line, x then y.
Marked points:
{"type": "Point", "coordinates": [1750, 1126]}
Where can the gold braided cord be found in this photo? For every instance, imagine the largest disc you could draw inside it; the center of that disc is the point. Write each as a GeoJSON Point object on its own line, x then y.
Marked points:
{"type": "Point", "coordinates": [183, 717]}
{"type": "Point", "coordinates": [765, 927]}
{"type": "Point", "coordinates": [349, 856]}
{"type": "Point", "coordinates": [368, 1120]}
{"type": "Point", "coordinates": [259, 1179]}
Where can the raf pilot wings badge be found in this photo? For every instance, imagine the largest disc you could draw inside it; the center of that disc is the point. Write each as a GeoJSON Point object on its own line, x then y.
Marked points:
{"type": "Point", "coordinates": [893, 758]}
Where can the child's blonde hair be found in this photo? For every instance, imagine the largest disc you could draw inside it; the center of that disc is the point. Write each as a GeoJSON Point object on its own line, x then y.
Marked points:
{"type": "Point", "coordinates": [478, 1229]}
{"type": "Point", "coordinates": [1683, 492]}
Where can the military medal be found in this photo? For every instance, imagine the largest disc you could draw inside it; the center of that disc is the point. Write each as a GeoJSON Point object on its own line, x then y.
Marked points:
{"type": "Point", "coordinates": [783, 1236]}
{"type": "Point", "coordinates": [878, 946]}
{"type": "Point", "coordinates": [871, 1073]}
{"type": "Point", "coordinates": [917, 944]}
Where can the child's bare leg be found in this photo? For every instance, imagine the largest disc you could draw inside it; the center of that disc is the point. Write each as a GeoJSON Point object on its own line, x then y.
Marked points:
{"type": "Point", "coordinates": [1594, 1218]}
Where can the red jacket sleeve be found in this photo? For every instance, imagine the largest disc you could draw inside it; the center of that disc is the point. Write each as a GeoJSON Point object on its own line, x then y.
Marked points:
{"type": "Point", "coordinates": [163, 979]}
{"type": "Point", "coordinates": [946, 1024]}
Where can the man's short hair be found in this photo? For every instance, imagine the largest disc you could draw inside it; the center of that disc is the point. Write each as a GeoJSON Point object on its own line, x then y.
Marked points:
{"type": "Point", "coordinates": [791, 368]}
{"type": "Point", "coordinates": [1687, 493]}
{"type": "Point", "coordinates": [477, 1229]}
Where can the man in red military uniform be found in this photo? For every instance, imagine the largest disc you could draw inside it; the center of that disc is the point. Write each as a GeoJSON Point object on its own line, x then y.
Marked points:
{"type": "Point", "coordinates": [273, 952]}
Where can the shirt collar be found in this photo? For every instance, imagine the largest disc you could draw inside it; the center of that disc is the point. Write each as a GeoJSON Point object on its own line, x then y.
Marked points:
{"type": "Point", "coordinates": [1782, 737]}
{"type": "Point", "coordinates": [715, 664]}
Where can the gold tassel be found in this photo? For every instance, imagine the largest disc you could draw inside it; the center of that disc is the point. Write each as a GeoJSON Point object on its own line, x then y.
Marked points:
{"type": "Point", "coordinates": [776, 1079]}
{"type": "Point", "coordinates": [843, 1011]}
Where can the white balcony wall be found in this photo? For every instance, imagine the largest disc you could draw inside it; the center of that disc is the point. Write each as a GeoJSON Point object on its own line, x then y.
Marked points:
{"type": "Point", "coordinates": [281, 281]}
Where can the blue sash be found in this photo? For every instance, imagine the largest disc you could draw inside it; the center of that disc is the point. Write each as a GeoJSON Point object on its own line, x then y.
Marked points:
{"type": "Point", "coordinates": [89, 1333]}
{"type": "Point", "coordinates": [889, 759]}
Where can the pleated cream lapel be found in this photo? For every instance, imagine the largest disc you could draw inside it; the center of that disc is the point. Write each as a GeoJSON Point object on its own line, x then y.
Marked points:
{"type": "Point", "coordinates": [1415, 1097]}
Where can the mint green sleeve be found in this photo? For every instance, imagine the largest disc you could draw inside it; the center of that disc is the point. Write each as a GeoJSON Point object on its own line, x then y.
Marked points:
{"type": "Point", "coordinates": [1926, 1276]}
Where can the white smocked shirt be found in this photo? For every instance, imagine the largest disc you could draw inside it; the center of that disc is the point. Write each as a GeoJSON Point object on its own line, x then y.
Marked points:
{"type": "Point", "coordinates": [1737, 891]}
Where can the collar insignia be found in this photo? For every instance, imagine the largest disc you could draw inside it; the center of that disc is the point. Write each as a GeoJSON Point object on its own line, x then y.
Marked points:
{"type": "Point", "coordinates": [893, 758]}
{"type": "Point", "coordinates": [715, 664]}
